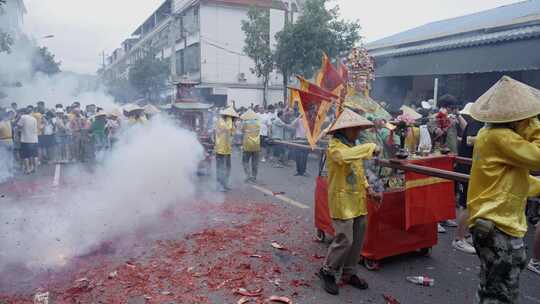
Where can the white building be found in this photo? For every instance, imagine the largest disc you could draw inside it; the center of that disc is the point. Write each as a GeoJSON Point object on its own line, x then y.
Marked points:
{"type": "Point", "coordinates": [208, 47]}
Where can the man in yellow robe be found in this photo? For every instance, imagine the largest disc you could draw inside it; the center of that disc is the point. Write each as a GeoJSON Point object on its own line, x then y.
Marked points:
{"type": "Point", "coordinates": [347, 195]}
{"type": "Point", "coordinates": [224, 132]}
{"type": "Point", "coordinates": [251, 144]}
{"type": "Point", "coordinates": [505, 151]}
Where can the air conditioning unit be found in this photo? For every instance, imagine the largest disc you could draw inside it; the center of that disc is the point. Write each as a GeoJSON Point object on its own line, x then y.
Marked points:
{"type": "Point", "coordinates": [242, 77]}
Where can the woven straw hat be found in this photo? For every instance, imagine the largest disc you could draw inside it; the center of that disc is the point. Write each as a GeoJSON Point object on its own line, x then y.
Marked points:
{"type": "Point", "coordinates": [249, 115]}
{"type": "Point", "coordinates": [100, 113]}
{"type": "Point", "coordinates": [467, 109]}
{"type": "Point", "coordinates": [349, 119]}
{"type": "Point", "coordinates": [151, 109]}
{"type": "Point", "coordinates": [409, 111]}
{"type": "Point", "coordinates": [229, 112]}
{"type": "Point", "coordinates": [115, 112]}
{"type": "Point", "coordinates": [508, 100]}
{"type": "Point", "coordinates": [132, 107]}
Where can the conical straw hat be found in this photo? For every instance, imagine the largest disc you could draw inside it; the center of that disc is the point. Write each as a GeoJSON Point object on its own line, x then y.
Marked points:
{"type": "Point", "coordinates": [115, 112]}
{"type": "Point", "coordinates": [467, 109]}
{"type": "Point", "coordinates": [229, 112]}
{"type": "Point", "coordinates": [100, 113]}
{"type": "Point", "coordinates": [151, 110]}
{"type": "Point", "coordinates": [508, 100]}
{"type": "Point", "coordinates": [409, 111]}
{"type": "Point", "coordinates": [249, 115]}
{"type": "Point", "coordinates": [349, 119]}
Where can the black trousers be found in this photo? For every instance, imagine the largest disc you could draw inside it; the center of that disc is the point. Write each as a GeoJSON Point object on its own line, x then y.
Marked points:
{"type": "Point", "coordinates": [223, 169]}
{"type": "Point", "coordinates": [301, 160]}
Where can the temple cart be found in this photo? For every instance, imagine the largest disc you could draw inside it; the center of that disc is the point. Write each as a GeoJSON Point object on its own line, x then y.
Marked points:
{"type": "Point", "coordinates": [406, 219]}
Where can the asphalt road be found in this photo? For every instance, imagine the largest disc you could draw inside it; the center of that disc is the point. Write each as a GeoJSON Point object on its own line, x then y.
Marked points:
{"type": "Point", "coordinates": [455, 273]}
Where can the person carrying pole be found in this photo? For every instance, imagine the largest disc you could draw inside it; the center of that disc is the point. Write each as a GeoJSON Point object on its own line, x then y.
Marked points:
{"type": "Point", "coordinates": [505, 151]}
{"type": "Point", "coordinates": [251, 144]}
{"type": "Point", "coordinates": [223, 147]}
{"type": "Point", "coordinates": [347, 200]}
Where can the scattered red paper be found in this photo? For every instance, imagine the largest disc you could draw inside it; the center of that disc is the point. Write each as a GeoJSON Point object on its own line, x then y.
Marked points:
{"type": "Point", "coordinates": [390, 300]}
{"type": "Point", "coordinates": [246, 293]}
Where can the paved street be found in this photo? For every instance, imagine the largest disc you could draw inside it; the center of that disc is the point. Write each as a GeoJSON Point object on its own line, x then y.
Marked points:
{"type": "Point", "coordinates": [203, 252]}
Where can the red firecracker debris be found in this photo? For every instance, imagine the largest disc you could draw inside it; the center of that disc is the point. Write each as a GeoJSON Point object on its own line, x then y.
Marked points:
{"type": "Point", "coordinates": [278, 299]}
{"type": "Point", "coordinates": [246, 293]}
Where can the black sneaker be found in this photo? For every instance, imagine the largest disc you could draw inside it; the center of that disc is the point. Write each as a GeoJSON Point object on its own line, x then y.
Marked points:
{"type": "Point", "coordinates": [329, 282]}
{"type": "Point", "coordinates": [356, 282]}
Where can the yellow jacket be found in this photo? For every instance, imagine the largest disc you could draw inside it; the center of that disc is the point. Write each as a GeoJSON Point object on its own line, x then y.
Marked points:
{"type": "Point", "coordinates": [224, 134]}
{"type": "Point", "coordinates": [252, 139]}
{"type": "Point", "coordinates": [412, 139]}
{"type": "Point", "coordinates": [347, 182]}
{"type": "Point", "coordinates": [500, 180]}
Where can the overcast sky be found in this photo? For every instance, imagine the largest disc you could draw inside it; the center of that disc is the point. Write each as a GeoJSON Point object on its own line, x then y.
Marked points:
{"type": "Point", "coordinates": [83, 29]}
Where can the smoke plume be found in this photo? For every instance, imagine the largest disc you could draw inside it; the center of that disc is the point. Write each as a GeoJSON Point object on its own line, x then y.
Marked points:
{"type": "Point", "coordinates": [151, 170]}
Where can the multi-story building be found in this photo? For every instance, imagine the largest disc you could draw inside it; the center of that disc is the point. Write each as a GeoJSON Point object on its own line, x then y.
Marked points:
{"type": "Point", "coordinates": [208, 47]}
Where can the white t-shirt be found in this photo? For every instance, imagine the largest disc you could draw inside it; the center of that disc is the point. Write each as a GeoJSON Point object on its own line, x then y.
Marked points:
{"type": "Point", "coordinates": [29, 129]}
{"type": "Point", "coordinates": [263, 118]}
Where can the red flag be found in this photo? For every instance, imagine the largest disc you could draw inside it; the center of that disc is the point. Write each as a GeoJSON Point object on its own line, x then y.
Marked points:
{"type": "Point", "coordinates": [310, 106]}
{"type": "Point", "coordinates": [328, 77]}
{"type": "Point", "coordinates": [313, 88]}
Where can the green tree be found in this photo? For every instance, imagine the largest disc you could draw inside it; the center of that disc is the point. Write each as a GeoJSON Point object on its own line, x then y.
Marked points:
{"type": "Point", "coordinates": [257, 45]}
{"type": "Point", "coordinates": [300, 45]}
{"type": "Point", "coordinates": [44, 61]}
{"type": "Point", "coordinates": [148, 76]}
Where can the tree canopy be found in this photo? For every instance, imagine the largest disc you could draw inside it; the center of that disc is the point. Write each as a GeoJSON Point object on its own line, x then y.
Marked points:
{"type": "Point", "coordinates": [317, 30]}
{"type": "Point", "coordinates": [5, 39]}
{"type": "Point", "coordinates": [44, 61]}
{"type": "Point", "coordinates": [149, 76]}
{"type": "Point", "coordinates": [257, 43]}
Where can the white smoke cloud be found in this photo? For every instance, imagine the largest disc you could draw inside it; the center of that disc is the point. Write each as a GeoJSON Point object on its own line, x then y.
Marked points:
{"type": "Point", "coordinates": [151, 170]}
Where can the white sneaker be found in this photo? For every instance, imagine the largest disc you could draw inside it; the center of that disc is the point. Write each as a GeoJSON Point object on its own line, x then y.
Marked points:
{"type": "Point", "coordinates": [534, 266]}
{"type": "Point", "coordinates": [463, 246]}
{"type": "Point", "coordinates": [449, 223]}
{"type": "Point", "coordinates": [440, 228]}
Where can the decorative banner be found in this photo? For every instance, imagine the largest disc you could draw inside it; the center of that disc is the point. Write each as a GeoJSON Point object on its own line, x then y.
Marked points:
{"type": "Point", "coordinates": [313, 108]}
{"type": "Point", "coordinates": [328, 77]}
{"type": "Point", "coordinates": [306, 85]}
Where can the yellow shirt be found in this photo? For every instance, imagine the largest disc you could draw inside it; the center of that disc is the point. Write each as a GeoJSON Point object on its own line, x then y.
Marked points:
{"type": "Point", "coordinates": [6, 133]}
{"type": "Point", "coordinates": [500, 180]}
{"type": "Point", "coordinates": [224, 134]}
{"type": "Point", "coordinates": [412, 139]}
{"type": "Point", "coordinates": [137, 121]}
{"type": "Point", "coordinates": [252, 139]}
{"type": "Point", "coordinates": [39, 119]}
{"type": "Point", "coordinates": [347, 182]}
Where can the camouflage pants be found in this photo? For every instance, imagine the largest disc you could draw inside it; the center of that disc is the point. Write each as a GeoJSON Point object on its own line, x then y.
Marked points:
{"type": "Point", "coordinates": [502, 258]}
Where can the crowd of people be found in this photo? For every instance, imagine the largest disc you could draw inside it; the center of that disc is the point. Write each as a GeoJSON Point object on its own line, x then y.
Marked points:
{"type": "Point", "coordinates": [35, 135]}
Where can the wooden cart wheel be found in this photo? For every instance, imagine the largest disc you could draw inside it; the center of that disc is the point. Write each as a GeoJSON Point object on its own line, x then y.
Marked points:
{"type": "Point", "coordinates": [425, 251]}
{"type": "Point", "coordinates": [321, 236]}
{"type": "Point", "coordinates": [371, 265]}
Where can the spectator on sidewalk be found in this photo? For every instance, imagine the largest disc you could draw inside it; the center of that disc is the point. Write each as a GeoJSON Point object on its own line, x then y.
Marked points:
{"type": "Point", "coordinates": [278, 133]}
{"type": "Point", "coordinates": [301, 154]}
{"type": "Point", "coordinates": [468, 139]}
{"type": "Point", "coordinates": [6, 141]}
{"type": "Point", "coordinates": [251, 144]}
{"type": "Point", "coordinates": [48, 141]}
{"type": "Point", "coordinates": [29, 140]}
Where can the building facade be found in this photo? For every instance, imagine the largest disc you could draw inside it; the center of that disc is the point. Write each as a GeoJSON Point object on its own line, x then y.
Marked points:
{"type": "Point", "coordinates": [204, 42]}
{"type": "Point", "coordinates": [466, 55]}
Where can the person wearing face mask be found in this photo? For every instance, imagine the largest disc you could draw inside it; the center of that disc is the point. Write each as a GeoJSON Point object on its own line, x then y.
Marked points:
{"type": "Point", "coordinates": [505, 151]}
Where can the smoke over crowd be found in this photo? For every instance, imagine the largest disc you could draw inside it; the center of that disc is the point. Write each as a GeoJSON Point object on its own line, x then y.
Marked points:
{"type": "Point", "coordinates": [151, 170]}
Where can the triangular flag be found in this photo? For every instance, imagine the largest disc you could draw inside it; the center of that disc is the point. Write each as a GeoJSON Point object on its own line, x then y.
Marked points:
{"type": "Point", "coordinates": [310, 105]}
{"type": "Point", "coordinates": [306, 85]}
{"type": "Point", "coordinates": [328, 77]}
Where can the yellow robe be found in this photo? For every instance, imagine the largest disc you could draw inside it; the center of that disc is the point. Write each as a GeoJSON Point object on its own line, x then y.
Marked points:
{"type": "Point", "coordinates": [347, 182]}
{"type": "Point", "coordinates": [500, 180]}
{"type": "Point", "coordinates": [412, 139]}
{"type": "Point", "coordinates": [252, 140]}
{"type": "Point", "coordinates": [224, 134]}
